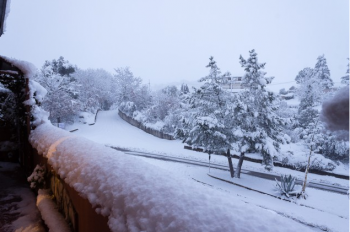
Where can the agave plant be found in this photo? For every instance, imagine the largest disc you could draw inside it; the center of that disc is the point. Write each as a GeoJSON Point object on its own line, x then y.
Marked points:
{"type": "Point", "coordinates": [286, 185]}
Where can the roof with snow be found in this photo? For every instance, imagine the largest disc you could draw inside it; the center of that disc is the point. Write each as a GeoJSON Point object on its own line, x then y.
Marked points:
{"type": "Point", "coordinates": [3, 4]}
{"type": "Point", "coordinates": [6, 67]}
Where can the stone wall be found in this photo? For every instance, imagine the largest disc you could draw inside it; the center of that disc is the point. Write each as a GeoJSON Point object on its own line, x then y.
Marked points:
{"type": "Point", "coordinates": [148, 130]}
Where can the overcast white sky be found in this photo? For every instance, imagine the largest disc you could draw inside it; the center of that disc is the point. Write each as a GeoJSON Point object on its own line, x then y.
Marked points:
{"type": "Point", "coordinates": [170, 41]}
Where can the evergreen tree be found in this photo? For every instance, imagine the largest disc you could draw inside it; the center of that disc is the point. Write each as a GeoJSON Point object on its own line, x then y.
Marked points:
{"type": "Point", "coordinates": [304, 75]}
{"type": "Point", "coordinates": [184, 89]}
{"type": "Point", "coordinates": [60, 66]}
{"type": "Point", "coordinates": [258, 128]}
{"type": "Point", "coordinates": [322, 73]}
{"type": "Point", "coordinates": [306, 112]}
{"type": "Point", "coordinates": [345, 79]}
{"type": "Point", "coordinates": [319, 78]}
{"type": "Point", "coordinates": [208, 125]}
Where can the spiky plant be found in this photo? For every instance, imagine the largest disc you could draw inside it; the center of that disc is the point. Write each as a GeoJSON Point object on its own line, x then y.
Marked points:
{"type": "Point", "coordinates": [286, 185]}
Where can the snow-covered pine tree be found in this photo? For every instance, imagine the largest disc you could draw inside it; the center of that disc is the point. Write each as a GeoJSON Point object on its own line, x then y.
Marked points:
{"type": "Point", "coordinates": [319, 78]}
{"type": "Point", "coordinates": [257, 127]}
{"type": "Point", "coordinates": [61, 66]}
{"type": "Point", "coordinates": [322, 73]}
{"type": "Point", "coordinates": [345, 79]}
{"type": "Point", "coordinates": [306, 111]}
{"type": "Point", "coordinates": [304, 75]}
{"type": "Point", "coordinates": [184, 89]}
{"type": "Point", "coordinates": [208, 124]}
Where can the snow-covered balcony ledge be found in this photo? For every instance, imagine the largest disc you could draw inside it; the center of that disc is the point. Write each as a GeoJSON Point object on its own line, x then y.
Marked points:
{"type": "Point", "coordinates": [137, 196]}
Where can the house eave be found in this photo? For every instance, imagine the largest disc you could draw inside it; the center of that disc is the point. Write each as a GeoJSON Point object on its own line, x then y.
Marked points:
{"type": "Point", "coordinates": [3, 4]}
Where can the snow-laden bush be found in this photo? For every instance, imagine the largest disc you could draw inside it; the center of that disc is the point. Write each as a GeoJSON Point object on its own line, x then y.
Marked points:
{"type": "Point", "coordinates": [97, 89]}
{"type": "Point", "coordinates": [337, 150]}
{"type": "Point", "coordinates": [284, 111]}
{"type": "Point", "coordinates": [171, 122]}
{"type": "Point", "coordinates": [295, 134]}
{"type": "Point", "coordinates": [286, 185]}
{"type": "Point", "coordinates": [128, 108]}
{"type": "Point", "coordinates": [37, 178]}
{"type": "Point", "coordinates": [163, 103]}
{"type": "Point", "coordinates": [318, 162]}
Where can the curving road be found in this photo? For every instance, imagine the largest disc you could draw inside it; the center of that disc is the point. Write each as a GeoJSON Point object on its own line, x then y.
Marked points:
{"type": "Point", "coordinates": [325, 187]}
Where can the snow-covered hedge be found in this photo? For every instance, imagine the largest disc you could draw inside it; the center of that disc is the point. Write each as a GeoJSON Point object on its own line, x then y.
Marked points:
{"type": "Point", "coordinates": [319, 162]}
{"type": "Point", "coordinates": [137, 196]}
{"type": "Point", "coordinates": [130, 110]}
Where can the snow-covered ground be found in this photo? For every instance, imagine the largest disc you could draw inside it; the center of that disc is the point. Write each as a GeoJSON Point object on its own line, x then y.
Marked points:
{"type": "Point", "coordinates": [322, 210]}
{"type": "Point", "coordinates": [111, 130]}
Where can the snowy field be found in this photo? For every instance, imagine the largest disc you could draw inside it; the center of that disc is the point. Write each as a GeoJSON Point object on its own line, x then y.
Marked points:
{"type": "Point", "coordinates": [322, 211]}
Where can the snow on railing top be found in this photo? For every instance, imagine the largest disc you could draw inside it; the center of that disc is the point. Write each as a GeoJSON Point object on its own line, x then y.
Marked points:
{"type": "Point", "coordinates": [137, 196]}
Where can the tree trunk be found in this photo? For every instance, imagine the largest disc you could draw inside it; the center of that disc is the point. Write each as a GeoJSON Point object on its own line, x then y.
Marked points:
{"type": "Point", "coordinates": [239, 165]}
{"type": "Point", "coordinates": [308, 163]}
{"type": "Point", "coordinates": [209, 160]}
{"type": "Point", "coordinates": [306, 172]}
{"type": "Point", "coordinates": [232, 172]}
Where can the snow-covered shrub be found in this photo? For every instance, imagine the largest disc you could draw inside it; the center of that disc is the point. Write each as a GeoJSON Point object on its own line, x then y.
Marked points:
{"type": "Point", "coordinates": [96, 89]}
{"type": "Point", "coordinates": [129, 88]}
{"type": "Point", "coordinates": [323, 164]}
{"type": "Point", "coordinates": [163, 102]}
{"type": "Point", "coordinates": [319, 162]}
{"type": "Point", "coordinates": [171, 122]}
{"type": "Point", "coordinates": [128, 108]}
{"type": "Point", "coordinates": [284, 111]}
{"type": "Point", "coordinates": [286, 185]}
{"type": "Point", "coordinates": [295, 134]}
{"type": "Point", "coordinates": [37, 178]}
{"type": "Point", "coordinates": [336, 150]}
